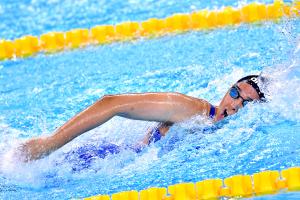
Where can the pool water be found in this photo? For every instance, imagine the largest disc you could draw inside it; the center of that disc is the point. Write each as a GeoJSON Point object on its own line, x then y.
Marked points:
{"type": "Point", "coordinates": [40, 93]}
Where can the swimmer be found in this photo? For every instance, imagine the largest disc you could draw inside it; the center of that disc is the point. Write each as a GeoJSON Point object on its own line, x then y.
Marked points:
{"type": "Point", "coordinates": [166, 108]}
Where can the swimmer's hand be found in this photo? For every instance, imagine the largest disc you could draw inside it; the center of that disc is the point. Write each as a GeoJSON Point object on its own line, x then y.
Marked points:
{"type": "Point", "coordinates": [33, 149]}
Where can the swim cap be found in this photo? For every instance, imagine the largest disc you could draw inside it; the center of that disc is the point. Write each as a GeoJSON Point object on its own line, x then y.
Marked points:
{"type": "Point", "coordinates": [253, 81]}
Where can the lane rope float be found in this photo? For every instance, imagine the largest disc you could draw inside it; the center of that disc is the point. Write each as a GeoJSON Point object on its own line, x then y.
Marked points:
{"type": "Point", "coordinates": [262, 183]}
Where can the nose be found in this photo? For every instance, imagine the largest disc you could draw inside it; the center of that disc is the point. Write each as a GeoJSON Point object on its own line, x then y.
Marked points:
{"type": "Point", "coordinates": [237, 104]}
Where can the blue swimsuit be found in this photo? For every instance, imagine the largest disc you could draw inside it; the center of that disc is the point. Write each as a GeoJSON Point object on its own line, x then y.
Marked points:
{"type": "Point", "coordinates": [86, 154]}
{"type": "Point", "coordinates": [156, 135]}
{"type": "Point", "coordinates": [212, 111]}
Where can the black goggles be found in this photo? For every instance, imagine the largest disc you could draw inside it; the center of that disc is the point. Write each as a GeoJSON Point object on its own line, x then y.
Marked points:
{"type": "Point", "coordinates": [234, 93]}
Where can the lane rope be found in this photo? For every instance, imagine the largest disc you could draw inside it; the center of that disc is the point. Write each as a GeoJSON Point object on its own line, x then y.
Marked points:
{"type": "Point", "coordinates": [262, 183]}
{"type": "Point", "coordinates": [196, 21]}
{"type": "Point", "coordinates": [267, 182]}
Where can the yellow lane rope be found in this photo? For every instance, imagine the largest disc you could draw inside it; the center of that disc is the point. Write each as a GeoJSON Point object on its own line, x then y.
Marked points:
{"type": "Point", "coordinates": [177, 23]}
{"type": "Point", "coordinates": [262, 183]}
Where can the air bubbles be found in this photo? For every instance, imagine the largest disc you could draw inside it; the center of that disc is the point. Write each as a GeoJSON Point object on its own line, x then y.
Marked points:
{"type": "Point", "coordinates": [282, 90]}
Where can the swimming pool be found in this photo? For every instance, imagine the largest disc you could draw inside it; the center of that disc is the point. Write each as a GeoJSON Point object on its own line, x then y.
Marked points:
{"type": "Point", "coordinates": [40, 93]}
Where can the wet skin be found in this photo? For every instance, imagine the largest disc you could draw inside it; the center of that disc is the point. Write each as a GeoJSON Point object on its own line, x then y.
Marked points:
{"type": "Point", "coordinates": [166, 108]}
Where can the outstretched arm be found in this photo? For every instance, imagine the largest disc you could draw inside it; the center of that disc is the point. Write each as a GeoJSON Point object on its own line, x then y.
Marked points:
{"type": "Point", "coordinates": [160, 107]}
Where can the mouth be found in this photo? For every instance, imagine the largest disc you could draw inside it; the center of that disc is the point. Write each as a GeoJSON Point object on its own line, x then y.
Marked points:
{"type": "Point", "coordinates": [225, 114]}
{"type": "Point", "coordinates": [222, 115]}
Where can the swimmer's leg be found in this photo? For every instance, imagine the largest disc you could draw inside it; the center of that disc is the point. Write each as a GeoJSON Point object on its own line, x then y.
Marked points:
{"type": "Point", "coordinates": [83, 157]}
{"type": "Point", "coordinates": [160, 107]}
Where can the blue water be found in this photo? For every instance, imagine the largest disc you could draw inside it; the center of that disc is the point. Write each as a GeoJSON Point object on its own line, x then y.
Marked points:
{"type": "Point", "coordinates": [35, 17]}
{"type": "Point", "coordinates": [39, 94]}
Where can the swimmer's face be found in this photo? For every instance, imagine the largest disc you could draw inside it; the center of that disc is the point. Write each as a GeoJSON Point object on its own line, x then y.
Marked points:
{"type": "Point", "coordinates": [230, 106]}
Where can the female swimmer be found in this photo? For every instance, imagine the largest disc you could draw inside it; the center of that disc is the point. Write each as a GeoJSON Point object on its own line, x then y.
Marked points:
{"type": "Point", "coordinates": [166, 108]}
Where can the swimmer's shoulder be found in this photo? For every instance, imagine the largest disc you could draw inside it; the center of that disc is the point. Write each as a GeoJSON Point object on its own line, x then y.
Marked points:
{"type": "Point", "coordinates": [206, 107]}
{"type": "Point", "coordinates": [188, 105]}
{"type": "Point", "coordinates": [200, 105]}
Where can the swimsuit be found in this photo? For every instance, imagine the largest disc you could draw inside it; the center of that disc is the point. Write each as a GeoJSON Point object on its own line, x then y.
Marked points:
{"type": "Point", "coordinates": [83, 156]}
{"type": "Point", "coordinates": [156, 135]}
{"type": "Point", "coordinates": [212, 111]}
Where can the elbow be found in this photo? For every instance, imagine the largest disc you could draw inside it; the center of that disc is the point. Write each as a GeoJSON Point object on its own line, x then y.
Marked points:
{"type": "Point", "coordinates": [109, 102]}
{"type": "Point", "coordinates": [106, 99]}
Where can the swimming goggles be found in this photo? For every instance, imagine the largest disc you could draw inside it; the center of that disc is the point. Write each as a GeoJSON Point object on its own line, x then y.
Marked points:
{"type": "Point", "coordinates": [234, 93]}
